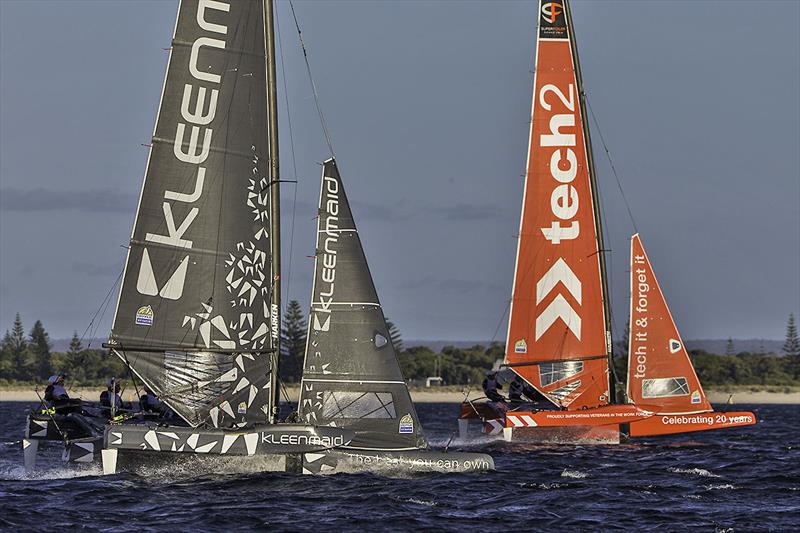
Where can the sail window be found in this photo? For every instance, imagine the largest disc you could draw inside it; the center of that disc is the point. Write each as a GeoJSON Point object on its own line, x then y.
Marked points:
{"type": "Point", "coordinates": [355, 405]}
{"type": "Point", "coordinates": [561, 393]}
{"type": "Point", "coordinates": [549, 373]}
{"type": "Point", "coordinates": [664, 387]}
{"type": "Point", "coordinates": [380, 340]}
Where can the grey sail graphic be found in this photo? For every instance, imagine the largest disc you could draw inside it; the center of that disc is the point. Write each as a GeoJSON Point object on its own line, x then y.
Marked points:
{"type": "Point", "coordinates": [351, 375]}
{"type": "Point", "coordinates": [193, 318]}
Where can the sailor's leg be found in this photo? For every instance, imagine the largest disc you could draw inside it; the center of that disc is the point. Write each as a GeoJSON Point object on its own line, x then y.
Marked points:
{"type": "Point", "coordinates": [109, 457]}
{"type": "Point", "coordinates": [507, 432]}
{"type": "Point", "coordinates": [463, 428]}
{"type": "Point", "coordinates": [29, 449]}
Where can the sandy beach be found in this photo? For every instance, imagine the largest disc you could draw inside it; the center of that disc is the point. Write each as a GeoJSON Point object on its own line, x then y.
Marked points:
{"type": "Point", "coordinates": [430, 395]}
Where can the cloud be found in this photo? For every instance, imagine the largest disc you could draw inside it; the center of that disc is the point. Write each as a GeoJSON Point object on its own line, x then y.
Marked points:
{"type": "Point", "coordinates": [97, 201]}
{"type": "Point", "coordinates": [469, 212]}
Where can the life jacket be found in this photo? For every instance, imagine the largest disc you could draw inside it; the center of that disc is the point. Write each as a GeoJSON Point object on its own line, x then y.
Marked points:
{"type": "Point", "coordinates": [59, 392]}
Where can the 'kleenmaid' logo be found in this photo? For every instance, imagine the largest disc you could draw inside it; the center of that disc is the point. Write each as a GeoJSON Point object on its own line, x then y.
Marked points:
{"type": "Point", "coordinates": [321, 319]}
{"type": "Point", "coordinates": [551, 11]}
{"type": "Point", "coordinates": [194, 124]}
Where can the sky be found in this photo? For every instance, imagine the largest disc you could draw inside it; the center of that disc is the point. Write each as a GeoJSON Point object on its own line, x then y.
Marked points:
{"type": "Point", "coordinates": [428, 108]}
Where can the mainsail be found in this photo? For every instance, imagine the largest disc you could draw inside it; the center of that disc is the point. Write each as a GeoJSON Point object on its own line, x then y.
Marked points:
{"type": "Point", "coordinates": [194, 319]}
{"type": "Point", "coordinates": [558, 338]}
{"type": "Point", "coordinates": [351, 375]}
{"type": "Point", "coordinates": [660, 372]}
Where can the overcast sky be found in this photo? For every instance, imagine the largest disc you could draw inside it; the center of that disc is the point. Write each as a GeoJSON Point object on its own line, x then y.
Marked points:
{"type": "Point", "coordinates": [428, 107]}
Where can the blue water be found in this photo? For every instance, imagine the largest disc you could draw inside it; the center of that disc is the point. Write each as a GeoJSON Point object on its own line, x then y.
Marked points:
{"type": "Point", "coordinates": [744, 479]}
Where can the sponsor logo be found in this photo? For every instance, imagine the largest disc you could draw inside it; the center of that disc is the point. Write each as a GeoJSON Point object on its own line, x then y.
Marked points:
{"type": "Point", "coordinates": [551, 11]}
{"type": "Point", "coordinates": [192, 146]}
{"type": "Point", "coordinates": [407, 424]}
{"type": "Point", "coordinates": [242, 409]}
{"type": "Point", "coordinates": [295, 439]}
{"type": "Point", "coordinates": [521, 346]}
{"type": "Point", "coordinates": [696, 396]}
{"type": "Point", "coordinates": [144, 316]}
{"type": "Point", "coordinates": [639, 337]}
{"type": "Point", "coordinates": [329, 227]}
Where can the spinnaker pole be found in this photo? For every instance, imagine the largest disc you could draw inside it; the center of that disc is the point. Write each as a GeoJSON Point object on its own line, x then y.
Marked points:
{"type": "Point", "coordinates": [596, 203]}
{"type": "Point", "coordinates": [274, 205]}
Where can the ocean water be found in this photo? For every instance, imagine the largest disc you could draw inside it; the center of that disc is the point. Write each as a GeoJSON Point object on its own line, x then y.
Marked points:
{"type": "Point", "coordinates": [745, 479]}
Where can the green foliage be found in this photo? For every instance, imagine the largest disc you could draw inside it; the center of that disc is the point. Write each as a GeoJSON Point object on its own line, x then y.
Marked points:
{"type": "Point", "coordinates": [31, 359]}
{"type": "Point", "coordinates": [293, 343]}
{"type": "Point", "coordinates": [456, 366]}
{"type": "Point", "coordinates": [792, 346]}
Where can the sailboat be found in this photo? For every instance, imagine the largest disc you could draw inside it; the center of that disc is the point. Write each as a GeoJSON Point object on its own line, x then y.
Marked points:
{"type": "Point", "coordinates": [559, 333]}
{"type": "Point", "coordinates": [198, 318]}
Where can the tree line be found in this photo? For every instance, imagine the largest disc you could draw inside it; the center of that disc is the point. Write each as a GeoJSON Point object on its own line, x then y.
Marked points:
{"type": "Point", "coordinates": [29, 358]}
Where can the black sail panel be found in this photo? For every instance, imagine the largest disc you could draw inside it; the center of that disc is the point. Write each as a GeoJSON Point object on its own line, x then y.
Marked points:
{"type": "Point", "coordinates": [199, 273]}
{"type": "Point", "coordinates": [351, 375]}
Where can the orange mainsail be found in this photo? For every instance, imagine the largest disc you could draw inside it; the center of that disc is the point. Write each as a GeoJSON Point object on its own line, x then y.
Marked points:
{"type": "Point", "coordinates": [660, 372]}
{"type": "Point", "coordinates": [557, 337]}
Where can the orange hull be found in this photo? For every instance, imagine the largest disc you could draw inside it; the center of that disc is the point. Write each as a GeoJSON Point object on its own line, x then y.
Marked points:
{"type": "Point", "coordinates": [599, 416]}
{"type": "Point", "coordinates": [671, 424]}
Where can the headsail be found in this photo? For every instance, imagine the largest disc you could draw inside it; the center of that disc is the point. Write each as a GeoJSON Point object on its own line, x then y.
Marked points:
{"type": "Point", "coordinates": [660, 372]}
{"type": "Point", "coordinates": [558, 338]}
{"type": "Point", "coordinates": [193, 317]}
{"type": "Point", "coordinates": [351, 375]}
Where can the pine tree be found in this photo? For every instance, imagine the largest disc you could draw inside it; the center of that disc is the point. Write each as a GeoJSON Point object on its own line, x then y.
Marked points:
{"type": "Point", "coordinates": [75, 345]}
{"type": "Point", "coordinates": [792, 346]}
{"type": "Point", "coordinates": [21, 357]}
{"type": "Point", "coordinates": [729, 349]}
{"type": "Point", "coordinates": [40, 349]}
{"type": "Point", "coordinates": [293, 343]}
{"type": "Point", "coordinates": [6, 362]}
{"type": "Point", "coordinates": [394, 334]}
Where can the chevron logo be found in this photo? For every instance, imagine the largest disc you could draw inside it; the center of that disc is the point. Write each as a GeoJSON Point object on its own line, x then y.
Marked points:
{"type": "Point", "coordinates": [172, 289]}
{"type": "Point", "coordinates": [322, 326]}
{"type": "Point", "coordinates": [493, 427]}
{"type": "Point", "coordinates": [559, 308]}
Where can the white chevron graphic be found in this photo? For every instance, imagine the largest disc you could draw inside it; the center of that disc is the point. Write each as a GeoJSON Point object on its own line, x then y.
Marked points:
{"type": "Point", "coordinates": [559, 272]}
{"type": "Point", "coordinates": [558, 308]}
{"type": "Point", "coordinates": [496, 427]}
{"type": "Point", "coordinates": [172, 289]}
{"type": "Point", "coordinates": [522, 421]}
{"type": "Point", "coordinates": [322, 326]}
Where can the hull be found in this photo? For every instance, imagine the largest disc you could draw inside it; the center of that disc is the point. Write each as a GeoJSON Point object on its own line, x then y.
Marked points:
{"type": "Point", "coordinates": [80, 434]}
{"type": "Point", "coordinates": [602, 425]}
{"type": "Point", "coordinates": [672, 424]}
{"type": "Point", "coordinates": [395, 462]}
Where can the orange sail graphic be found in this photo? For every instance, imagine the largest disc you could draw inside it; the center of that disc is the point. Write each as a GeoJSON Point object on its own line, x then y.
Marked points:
{"type": "Point", "coordinates": [557, 338]}
{"type": "Point", "coordinates": [660, 372]}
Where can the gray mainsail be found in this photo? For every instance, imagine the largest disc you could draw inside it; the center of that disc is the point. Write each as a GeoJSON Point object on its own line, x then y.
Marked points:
{"type": "Point", "coordinates": [193, 319]}
{"type": "Point", "coordinates": [351, 376]}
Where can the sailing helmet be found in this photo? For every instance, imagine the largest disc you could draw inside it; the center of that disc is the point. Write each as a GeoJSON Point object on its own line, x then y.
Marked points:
{"type": "Point", "coordinates": [52, 380]}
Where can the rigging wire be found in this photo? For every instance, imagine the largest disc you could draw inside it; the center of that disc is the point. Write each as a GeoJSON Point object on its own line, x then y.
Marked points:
{"type": "Point", "coordinates": [322, 121]}
{"type": "Point", "coordinates": [611, 162]}
{"type": "Point", "coordinates": [103, 307]}
{"type": "Point", "coordinates": [294, 157]}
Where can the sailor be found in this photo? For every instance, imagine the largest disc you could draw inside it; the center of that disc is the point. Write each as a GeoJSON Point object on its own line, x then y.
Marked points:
{"type": "Point", "coordinates": [520, 391]}
{"type": "Point", "coordinates": [111, 394]}
{"type": "Point", "coordinates": [56, 395]}
{"type": "Point", "coordinates": [150, 402]}
{"type": "Point", "coordinates": [490, 386]}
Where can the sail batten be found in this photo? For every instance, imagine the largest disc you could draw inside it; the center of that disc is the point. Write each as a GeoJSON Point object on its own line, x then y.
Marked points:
{"type": "Point", "coordinates": [558, 307]}
{"type": "Point", "coordinates": [195, 296]}
{"type": "Point", "coordinates": [351, 375]}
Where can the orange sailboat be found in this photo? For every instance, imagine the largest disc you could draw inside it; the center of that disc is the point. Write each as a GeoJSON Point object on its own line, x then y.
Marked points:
{"type": "Point", "coordinates": [559, 334]}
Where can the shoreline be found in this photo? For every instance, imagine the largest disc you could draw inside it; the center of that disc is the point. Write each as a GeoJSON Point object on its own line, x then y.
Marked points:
{"type": "Point", "coordinates": [427, 395]}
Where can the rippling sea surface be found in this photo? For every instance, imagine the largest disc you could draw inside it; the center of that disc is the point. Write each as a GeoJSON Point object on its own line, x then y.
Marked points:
{"type": "Point", "coordinates": [745, 479]}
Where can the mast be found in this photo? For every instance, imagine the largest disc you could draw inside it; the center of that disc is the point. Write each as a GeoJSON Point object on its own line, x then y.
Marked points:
{"type": "Point", "coordinates": [274, 204]}
{"type": "Point", "coordinates": [596, 202]}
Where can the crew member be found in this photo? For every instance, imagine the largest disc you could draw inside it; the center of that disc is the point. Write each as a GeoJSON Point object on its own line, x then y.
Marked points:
{"type": "Point", "coordinates": [111, 394]}
{"type": "Point", "coordinates": [520, 391]}
{"type": "Point", "coordinates": [150, 402]}
{"type": "Point", "coordinates": [57, 397]}
{"type": "Point", "coordinates": [491, 386]}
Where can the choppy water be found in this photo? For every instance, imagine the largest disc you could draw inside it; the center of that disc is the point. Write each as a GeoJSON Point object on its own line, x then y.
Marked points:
{"type": "Point", "coordinates": [745, 479]}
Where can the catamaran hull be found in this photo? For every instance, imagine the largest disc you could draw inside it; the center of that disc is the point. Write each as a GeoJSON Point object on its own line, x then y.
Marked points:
{"type": "Point", "coordinates": [672, 424]}
{"type": "Point", "coordinates": [602, 425]}
{"type": "Point", "coordinates": [82, 439]}
{"type": "Point", "coordinates": [395, 462]}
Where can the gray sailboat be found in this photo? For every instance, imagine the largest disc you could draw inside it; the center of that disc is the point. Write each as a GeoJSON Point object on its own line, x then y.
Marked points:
{"type": "Point", "coordinates": [198, 316]}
